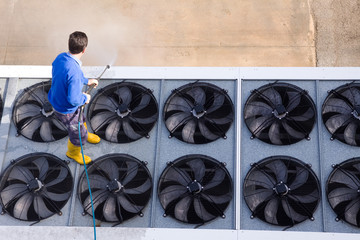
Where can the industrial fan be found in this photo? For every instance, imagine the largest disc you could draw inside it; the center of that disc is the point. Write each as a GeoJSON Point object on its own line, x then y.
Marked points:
{"type": "Point", "coordinates": [342, 190]}
{"type": "Point", "coordinates": [198, 113]}
{"type": "Point", "coordinates": [34, 116]}
{"type": "Point", "coordinates": [280, 114]}
{"type": "Point", "coordinates": [281, 190]}
{"type": "Point", "coordinates": [123, 112]}
{"type": "Point", "coordinates": [195, 189]}
{"type": "Point", "coordinates": [35, 187]}
{"type": "Point", "coordinates": [341, 113]}
{"type": "Point", "coordinates": [121, 187]}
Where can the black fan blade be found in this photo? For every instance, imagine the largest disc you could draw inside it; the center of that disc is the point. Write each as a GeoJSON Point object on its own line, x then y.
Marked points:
{"type": "Point", "coordinates": [279, 169]}
{"type": "Point", "coordinates": [125, 95]}
{"type": "Point", "coordinates": [301, 178]}
{"type": "Point", "coordinates": [171, 193]}
{"type": "Point", "coordinates": [131, 172]}
{"type": "Point", "coordinates": [188, 131]}
{"type": "Point", "coordinates": [27, 110]}
{"type": "Point", "coordinates": [346, 178]}
{"type": "Point", "coordinates": [110, 168]}
{"type": "Point", "coordinates": [43, 165]}
{"type": "Point", "coordinates": [96, 182]}
{"type": "Point", "coordinates": [340, 195]}
{"type": "Point", "coordinates": [178, 175]}
{"type": "Point", "coordinates": [112, 130]}
{"type": "Point", "coordinates": [22, 206]}
{"type": "Point", "coordinates": [259, 124]}
{"type": "Point", "coordinates": [140, 189]}
{"type": "Point", "coordinates": [21, 173]}
{"type": "Point", "coordinates": [221, 121]}
{"type": "Point", "coordinates": [147, 120]}
{"type": "Point", "coordinates": [63, 174]}
{"type": "Point", "coordinates": [101, 119]}
{"type": "Point", "coordinates": [198, 95]}
{"type": "Point", "coordinates": [294, 100]}
{"type": "Point", "coordinates": [98, 198]}
{"type": "Point", "coordinates": [217, 179]}
{"type": "Point", "coordinates": [40, 207]}
{"type": "Point", "coordinates": [46, 131]}
{"type": "Point", "coordinates": [350, 133]}
{"type": "Point", "coordinates": [57, 197]}
{"type": "Point", "coordinates": [337, 121]}
{"type": "Point", "coordinates": [293, 132]}
{"type": "Point", "coordinates": [129, 130]}
{"type": "Point", "coordinates": [255, 108]}
{"type": "Point", "coordinates": [13, 192]}
{"type": "Point", "coordinates": [127, 205]}
{"type": "Point", "coordinates": [290, 212]}
{"type": "Point", "coordinates": [217, 199]}
{"type": "Point", "coordinates": [310, 113]}
{"type": "Point", "coordinates": [308, 198]}
{"type": "Point", "coordinates": [58, 124]}
{"type": "Point", "coordinates": [352, 212]}
{"type": "Point", "coordinates": [271, 210]}
{"type": "Point", "coordinates": [336, 105]}
{"type": "Point", "coordinates": [258, 196]}
{"type": "Point", "coordinates": [201, 211]}
{"type": "Point", "coordinates": [353, 94]}
{"type": "Point", "coordinates": [219, 100]}
{"type": "Point", "coordinates": [105, 103]}
{"type": "Point", "coordinates": [31, 126]}
{"type": "Point", "coordinates": [175, 120]}
{"type": "Point", "coordinates": [206, 132]}
{"type": "Point", "coordinates": [179, 104]}
{"type": "Point", "coordinates": [261, 179]}
{"type": "Point", "coordinates": [274, 133]}
{"type": "Point", "coordinates": [109, 210]}
{"type": "Point", "coordinates": [182, 208]}
{"type": "Point", "coordinates": [198, 169]}
{"type": "Point", "coordinates": [272, 96]}
{"type": "Point", "coordinates": [145, 100]}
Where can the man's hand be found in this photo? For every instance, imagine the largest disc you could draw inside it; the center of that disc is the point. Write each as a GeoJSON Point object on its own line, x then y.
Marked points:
{"type": "Point", "coordinates": [93, 81]}
{"type": "Point", "coordinates": [88, 97]}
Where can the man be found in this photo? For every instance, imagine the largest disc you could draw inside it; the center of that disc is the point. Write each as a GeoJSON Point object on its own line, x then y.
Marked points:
{"type": "Point", "coordinates": [66, 95]}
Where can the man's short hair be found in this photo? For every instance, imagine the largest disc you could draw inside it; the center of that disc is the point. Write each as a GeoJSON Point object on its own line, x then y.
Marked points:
{"type": "Point", "coordinates": [78, 41]}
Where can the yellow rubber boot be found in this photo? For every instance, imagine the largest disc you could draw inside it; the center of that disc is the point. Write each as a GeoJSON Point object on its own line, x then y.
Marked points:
{"type": "Point", "coordinates": [92, 138]}
{"type": "Point", "coordinates": [74, 152]}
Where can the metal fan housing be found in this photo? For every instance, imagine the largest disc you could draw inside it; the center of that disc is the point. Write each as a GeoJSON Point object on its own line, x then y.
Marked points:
{"type": "Point", "coordinates": [195, 189]}
{"type": "Point", "coordinates": [123, 112]}
{"type": "Point", "coordinates": [341, 114]}
{"type": "Point", "coordinates": [121, 187]}
{"type": "Point", "coordinates": [33, 115]}
{"type": "Point", "coordinates": [281, 190]}
{"type": "Point", "coordinates": [35, 187]}
{"type": "Point", "coordinates": [198, 113]}
{"type": "Point", "coordinates": [280, 114]}
{"type": "Point", "coordinates": [343, 191]}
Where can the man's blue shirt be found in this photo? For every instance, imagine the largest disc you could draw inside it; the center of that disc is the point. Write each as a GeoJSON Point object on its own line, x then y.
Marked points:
{"type": "Point", "coordinates": [68, 79]}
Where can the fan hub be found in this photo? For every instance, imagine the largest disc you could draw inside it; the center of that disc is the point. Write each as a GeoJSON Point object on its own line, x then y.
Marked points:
{"type": "Point", "coordinates": [114, 186]}
{"type": "Point", "coordinates": [47, 109]}
{"type": "Point", "coordinates": [34, 185]}
{"type": "Point", "coordinates": [198, 111]}
{"type": "Point", "coordinates": [356, 112]}
{"type": "Point", "coordinates": [280, 111]}
{"type": "Point", "coordinates": [194, 187]}
{"type": "Point", "coordinates": [281, 189]}
{"type": "Point", "coordinates": [122, 111]}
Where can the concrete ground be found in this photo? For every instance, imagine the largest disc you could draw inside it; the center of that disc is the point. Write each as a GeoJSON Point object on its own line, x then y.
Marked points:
{"type": "Point", "coordinates": [184, 33]}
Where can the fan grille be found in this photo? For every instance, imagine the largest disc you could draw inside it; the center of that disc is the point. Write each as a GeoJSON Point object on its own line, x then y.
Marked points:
{"type": "Point", "coordinates": [35, 187]}
{"type": "Point", "coordinates": [123, 112]}
{"type": "Point", "coordinates": [195, 189]}
{"type": "Point", "coordinates": [121, 187]}
{"type": "Point", "coordinates": [341, 113]}
{"type": "Point", "coordinates": [280, 114]}
{"type": "Point", "coordinates": [281, 190]}
{"type": "Point", "coordinates": [34, 116]}
{"type": "Point", "coordinates": [198, 113]}
{"type": "Point", "coordinates": [342, 190]}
